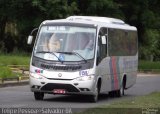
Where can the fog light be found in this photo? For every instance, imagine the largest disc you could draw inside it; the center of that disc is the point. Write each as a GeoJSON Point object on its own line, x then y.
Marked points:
{"type": "Point", "coordinates": [36, 87]}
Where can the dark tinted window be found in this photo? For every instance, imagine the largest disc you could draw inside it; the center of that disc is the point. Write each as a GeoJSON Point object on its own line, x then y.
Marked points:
{"type": "Point", "coordinates": [122, 42]}
{"type": "Point", "coordinates": [103, 47]}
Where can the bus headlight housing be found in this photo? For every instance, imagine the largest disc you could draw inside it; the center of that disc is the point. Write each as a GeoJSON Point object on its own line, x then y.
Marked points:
{"type": "Point", "coordinates": [85, 78]}
{"type": "Point", "coordinates": [36, 75]}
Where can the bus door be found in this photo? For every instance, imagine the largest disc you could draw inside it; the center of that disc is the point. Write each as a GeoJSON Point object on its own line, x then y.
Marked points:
{"type": "Point", "coordinates": [103, 60]}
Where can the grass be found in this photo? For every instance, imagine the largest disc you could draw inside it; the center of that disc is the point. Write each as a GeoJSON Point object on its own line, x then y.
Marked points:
{"type": "Point", "coordinates": [148, 65]}
{"type": "Point", "coordinates": [130, 106]}
{"type": "Point", "coordinates": [14, 60]}
{"type": "Point", "coordinates": [7, 60]}
{"type": "Point", "coordinates": [5, 72]}
{"type": "Point", "coordinates": [148, 101]}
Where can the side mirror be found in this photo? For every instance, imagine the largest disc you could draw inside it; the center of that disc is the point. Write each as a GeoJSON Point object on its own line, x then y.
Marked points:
{"type": "Point", "coordinates": [103, 38]}
{"type": "Point", "coordinates": [30, 38]}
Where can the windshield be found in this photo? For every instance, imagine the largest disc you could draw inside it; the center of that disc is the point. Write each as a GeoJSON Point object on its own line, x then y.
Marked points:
{"type": "Point", "coordinates": [65, 43]}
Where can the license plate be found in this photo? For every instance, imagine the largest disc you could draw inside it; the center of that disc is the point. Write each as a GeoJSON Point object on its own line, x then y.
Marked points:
{"type": "Point", "coordinates": [59, 91]}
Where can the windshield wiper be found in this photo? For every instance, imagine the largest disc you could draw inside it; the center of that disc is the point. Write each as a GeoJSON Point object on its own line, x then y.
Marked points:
{"type": "Point", "coordinates": [75, 53]}
{"type": "Point", "coordinates": [50, 53]}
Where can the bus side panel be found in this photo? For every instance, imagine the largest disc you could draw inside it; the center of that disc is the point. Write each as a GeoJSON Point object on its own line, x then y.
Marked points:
{"type": "Point", "coordinates": [130, 68]}
{"type": "Point", "coordinates": [116, 72]}
{"type": "Point", "coordinates": [119, 67]}
{"type": "Point", "coordinates": [112, 69]}
{"type": "Point", "coordinates": [104, 72]}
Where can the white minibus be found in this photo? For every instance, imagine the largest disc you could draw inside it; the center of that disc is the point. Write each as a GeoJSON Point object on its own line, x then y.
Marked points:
{"type": "Point", "coordinates": [83, 55]}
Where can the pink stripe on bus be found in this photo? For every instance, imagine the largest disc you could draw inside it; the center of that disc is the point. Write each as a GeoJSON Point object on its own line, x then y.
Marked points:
{"type": "Point", "coordinates": [115, 73]}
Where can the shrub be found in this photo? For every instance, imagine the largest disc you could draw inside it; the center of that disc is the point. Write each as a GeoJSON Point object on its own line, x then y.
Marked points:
{"type": "Point", "coordinates": [6, 72]}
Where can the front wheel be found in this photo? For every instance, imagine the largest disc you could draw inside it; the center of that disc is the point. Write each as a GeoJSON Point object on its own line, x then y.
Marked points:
{"type": "Point", "coordinates": [38, 95]}
{"type": "Point", "coordinates": [94, 98]}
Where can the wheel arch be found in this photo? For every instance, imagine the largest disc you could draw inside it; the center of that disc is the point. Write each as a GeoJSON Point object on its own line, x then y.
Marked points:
{"type": "Point", "coordinates": [99, 83]}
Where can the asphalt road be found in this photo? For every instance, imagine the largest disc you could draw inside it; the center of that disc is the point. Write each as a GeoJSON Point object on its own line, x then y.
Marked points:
{"type": "Point", "coordinates": [21, 97]}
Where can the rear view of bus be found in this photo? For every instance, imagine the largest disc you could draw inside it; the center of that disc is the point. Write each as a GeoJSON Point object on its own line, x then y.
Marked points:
{"type": "Point", "coordinates": [72, 56]}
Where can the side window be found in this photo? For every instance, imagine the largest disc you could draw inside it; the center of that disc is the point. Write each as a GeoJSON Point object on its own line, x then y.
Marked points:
{"type": "Point", "coordinates": [122, 42]}
{"type": "Point", "coordinates": [102, 48]}
{"type": "Point", "coordinates": [132, 46]}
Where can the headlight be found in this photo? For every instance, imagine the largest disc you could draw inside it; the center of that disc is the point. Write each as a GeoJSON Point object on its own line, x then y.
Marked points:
{"type": "Point", "coordinates": [36, 75]}
{"type": "Point", "coordinates": [85, 78]}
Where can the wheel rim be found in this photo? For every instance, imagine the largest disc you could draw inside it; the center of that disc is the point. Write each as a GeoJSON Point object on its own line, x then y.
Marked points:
{"type": "Point", "coordinates": [122, 90]}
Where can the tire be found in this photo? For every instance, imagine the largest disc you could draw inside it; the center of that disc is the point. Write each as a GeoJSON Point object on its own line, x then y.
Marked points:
{"type": "Point", "coordinates": [112, 94]}
{"type": "Point", "coordinates": [38, 95]}
{"type": "Point", "coordinates": [94, 98]}
{"type": "Point", "coordinates": [120, 92]}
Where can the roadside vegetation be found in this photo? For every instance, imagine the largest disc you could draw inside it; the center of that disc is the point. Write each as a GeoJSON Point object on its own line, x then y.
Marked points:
{"type": "Point", "coordinates": [8, 63]}
{"type": "Point", "coordinates": [149, 66]}
{"type": "Point", "coordinates": [6, 72]}
{"type": "Point", "coordinates": [147, 101]}
{"type": "Point", "coordinates": [136, 105]}
{"type": "Point", "coordinates": [14, 59]}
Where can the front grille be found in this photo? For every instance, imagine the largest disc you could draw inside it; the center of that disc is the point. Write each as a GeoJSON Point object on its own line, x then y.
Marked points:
{"type": "Point", "coordinates": [53, 67]}
{"type": "Point", "coordinates": [59, 79]}
{"type": "Point", "coordinates": [52, 86]}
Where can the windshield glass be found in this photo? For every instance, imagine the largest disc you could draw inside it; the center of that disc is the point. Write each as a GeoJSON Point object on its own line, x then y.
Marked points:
{"type": "Point", "coordinates": [65, 43]}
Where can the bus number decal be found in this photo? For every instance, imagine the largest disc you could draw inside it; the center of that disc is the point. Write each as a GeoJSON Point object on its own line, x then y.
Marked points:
{"type": "Point", "coordinates": [83, 73]}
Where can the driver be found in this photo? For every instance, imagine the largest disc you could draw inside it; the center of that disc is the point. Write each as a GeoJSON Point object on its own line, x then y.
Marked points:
{"type": "Point", "coordinates": [54, 44]}
{"type": "Point", "coordinates": [90, 45]}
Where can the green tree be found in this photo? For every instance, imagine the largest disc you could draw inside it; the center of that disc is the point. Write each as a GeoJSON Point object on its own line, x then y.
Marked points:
{"type": "Point", "coordinates": [26, 15]}
{"type": "Point", "coordinates": [106, 8]}
{"type": "Point", "coordinates": [145, 16]}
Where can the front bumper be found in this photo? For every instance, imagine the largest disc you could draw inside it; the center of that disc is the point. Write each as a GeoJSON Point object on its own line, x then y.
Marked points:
{"type": "Point", "coordinates": [70, 86]}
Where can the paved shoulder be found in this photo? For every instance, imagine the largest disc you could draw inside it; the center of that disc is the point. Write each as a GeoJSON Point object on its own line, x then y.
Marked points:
{"type": "Point", "coordinates": [147, 74]}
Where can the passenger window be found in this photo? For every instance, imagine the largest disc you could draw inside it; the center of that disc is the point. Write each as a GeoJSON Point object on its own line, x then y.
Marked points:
{"type": "Point", "coordinates": [122, 42]}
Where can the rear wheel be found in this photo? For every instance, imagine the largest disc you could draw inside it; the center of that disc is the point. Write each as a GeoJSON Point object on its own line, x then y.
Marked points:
{"type": "Point", "coordinates": [38, 95]}
{"type": "Point", "coordinates": [120, 92]}
{"type": "Point", "coordinates": [112, 94]}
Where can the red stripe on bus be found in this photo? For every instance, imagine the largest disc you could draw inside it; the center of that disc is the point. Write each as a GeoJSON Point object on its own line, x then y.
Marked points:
{"type": "Point", "coordinates": [115, 73]}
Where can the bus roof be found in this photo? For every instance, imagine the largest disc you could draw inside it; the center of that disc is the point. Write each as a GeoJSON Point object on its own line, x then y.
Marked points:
{"type": "Point", "coordinates": [97, 19]}
{"type": "Point", "coordinates": [93, 20]}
